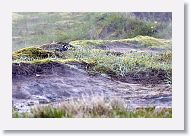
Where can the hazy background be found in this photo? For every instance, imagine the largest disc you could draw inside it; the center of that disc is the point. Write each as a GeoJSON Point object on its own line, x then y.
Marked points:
{"type": "Point", "coordinates": [35, 28]}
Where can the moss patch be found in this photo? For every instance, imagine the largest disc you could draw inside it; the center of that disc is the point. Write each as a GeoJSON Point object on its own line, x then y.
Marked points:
{"type": "Point", "coordinates": [165, 57]}
{"type": "Point", "coordinates": [142, 41]}
{"type": "Point", "coordinates": [148, 41]}
{"type": "Point", "coordinates": [32, 52]}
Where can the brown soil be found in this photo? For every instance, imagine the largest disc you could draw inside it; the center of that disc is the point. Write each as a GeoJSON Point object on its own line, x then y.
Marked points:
{"type": "Point", "coordinates": [25, 70]}
{"type": "Point", "coordinates": [150, 76]}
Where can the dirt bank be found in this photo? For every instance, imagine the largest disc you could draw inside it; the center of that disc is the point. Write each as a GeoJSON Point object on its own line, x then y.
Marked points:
{"type": "Point", "coordinates": [55, 82]}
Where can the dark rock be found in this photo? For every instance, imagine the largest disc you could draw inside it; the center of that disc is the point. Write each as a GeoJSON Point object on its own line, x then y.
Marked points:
{"type": "Point", "coordinates": [57, 46]}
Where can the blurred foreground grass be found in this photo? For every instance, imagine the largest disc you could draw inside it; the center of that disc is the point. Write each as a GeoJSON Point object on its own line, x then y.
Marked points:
{"type": "Point", "coordinates": [93, 110]}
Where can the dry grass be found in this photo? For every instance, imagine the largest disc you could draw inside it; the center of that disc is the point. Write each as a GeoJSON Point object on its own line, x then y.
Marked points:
{"type": "Point", "coordinates": [96, 108]}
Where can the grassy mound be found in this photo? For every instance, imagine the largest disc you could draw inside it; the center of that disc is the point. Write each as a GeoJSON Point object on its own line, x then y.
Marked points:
{"type": "Point", "coordinates": [147, 41]}
{"type": "Point", "coordinates": [136, 66]}
{"type": "Point", "coordinates": [32, 52]}
{"type": "Point", "coordinates": [143, 41]}
{"type": "Point", "coordinates": [133, 68]}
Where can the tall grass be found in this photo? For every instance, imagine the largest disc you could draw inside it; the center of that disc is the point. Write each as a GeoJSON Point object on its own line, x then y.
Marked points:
{"type": "Point", "coordinates": [96, 108]}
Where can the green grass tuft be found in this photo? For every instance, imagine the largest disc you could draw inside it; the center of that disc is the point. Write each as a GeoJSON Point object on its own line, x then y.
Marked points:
{"type": "Point", "coordinates": [49, 112]}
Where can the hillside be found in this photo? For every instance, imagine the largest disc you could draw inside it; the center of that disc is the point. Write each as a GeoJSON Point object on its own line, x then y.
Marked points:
{"type": "Point", "coordinates": [30, 29]}
{"type": "Point", "coordinates": [134, 73]}
{"type": "Point", "coordinates": [92, 65]}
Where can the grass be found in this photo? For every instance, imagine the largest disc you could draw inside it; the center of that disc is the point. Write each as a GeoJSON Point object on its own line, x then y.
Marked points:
{"type": "Point", "coordinates": [37, 28]}
{"type": "Point", "coordinates": [103, 63]}
{"type": "Point", "coordinates": [121, 65]}
{"type": "Point", "coordinates": [86, 32]}
{"type": "Point", "coordinates": [98, 109]}
{"type": "Point", "coordinates": [49, 112]}
{"type": "Point", "coordinates": [147, 41]}
{"type": "Point", "coordinates": [86, 45]}
{"type": "Point", "coordinates": [165, 57]}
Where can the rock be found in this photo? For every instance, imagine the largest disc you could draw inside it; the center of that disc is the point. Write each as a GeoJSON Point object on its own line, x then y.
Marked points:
{"type": "Point", "coordinates": [30, 103]}
{"type": "Point", "coordinates": [37, 75]}
{"type": "Point", "coordinates": [106, 76]}
{"type": "Point", "coordinates": [57, 46]}
{"type": "Point", "coordinates": [41, 99]}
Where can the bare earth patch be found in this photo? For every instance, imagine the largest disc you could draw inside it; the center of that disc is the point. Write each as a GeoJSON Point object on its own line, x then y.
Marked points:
{"type": "Point", "coordinates": [54, 82]}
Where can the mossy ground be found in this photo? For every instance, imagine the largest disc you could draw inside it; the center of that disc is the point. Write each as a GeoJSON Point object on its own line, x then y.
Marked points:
{"type": "Point", "coordinates": [143, 41]}
{"type": "Point", "coordinates": [148, 41]}
{"type": "Point", "coordinates": [32, 52]}
{"type": "Point", "coordinates": [102, 61]}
